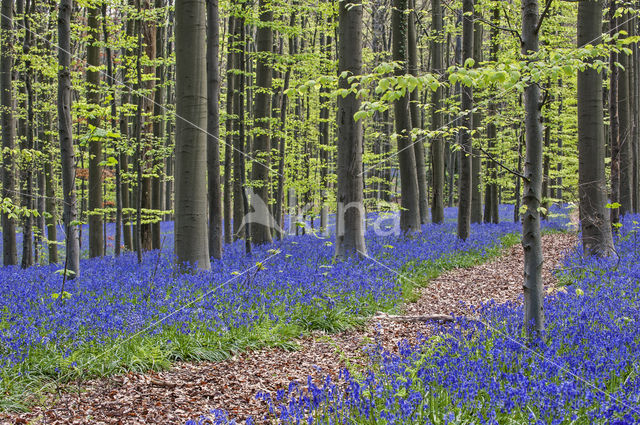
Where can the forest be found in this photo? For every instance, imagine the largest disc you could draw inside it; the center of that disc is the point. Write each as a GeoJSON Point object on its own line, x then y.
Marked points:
{"type": "Point", "coordinates": [320, 211]}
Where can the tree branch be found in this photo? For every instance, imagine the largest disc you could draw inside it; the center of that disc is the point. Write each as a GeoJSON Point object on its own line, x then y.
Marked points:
{"type": "Point", "coordinates": [544, 15]}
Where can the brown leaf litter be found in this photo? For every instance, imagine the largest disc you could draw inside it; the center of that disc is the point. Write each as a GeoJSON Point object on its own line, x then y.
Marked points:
{"type": "Point", "coordinates": [188, 390]}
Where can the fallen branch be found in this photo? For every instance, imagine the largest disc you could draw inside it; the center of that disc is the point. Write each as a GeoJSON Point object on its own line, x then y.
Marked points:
{"type": "Point", "coordinates": [413, 319]}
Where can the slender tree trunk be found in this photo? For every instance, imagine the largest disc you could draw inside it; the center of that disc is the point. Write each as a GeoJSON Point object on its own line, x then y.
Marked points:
{"type": "Point", "coordinates": [95, 143]}
{"type": "Point", "coordinates": [9, 245]}
{"type": "Point", "coordinates": [625, 130]}
{"type": "Point", "coordinates": [65, 130]}
{"type": "Point", "coordinates": [410, 213]}
{"type": "Point", "coordinates": [531, 238]}
{"type": "Point", "coordinates": [614, 128]}
{"type": "Point", "coordinates": [262, 226]}
{"type": "Point", "coordinates": [191, 242]}
{"type": "Point", "coordinates": [158, 134]}
{"type": "Point", "coordinates": [50, 206]}
{"type": "Point", "coordinates": [114, 115]}
{"type": "Point", "coordinates": [491, 198]}
{"type": "Point", "coordinates": [324, 99]}
{"type": "Point", "coordinates": [546, 166]}
{"type": "Point", "coordinates": [238, 134]}
{"type": "Point", "coordinates": [149, 36]}
{"type": "Point", "coordinates": [125, 98]}
{"type": "Point", "coordinates": [278, 213]}
{"type": "Point", "coordinates": [594, 218]}
{"type": "Point", "coordinates": [418, 145]}
{"type": "Point", "coordinates": [476, 161]}
{"type": "Point", "coordinates": [437, 121]}
{"type": "Point", "coordinates": [229, 138]}
{"type": "Point", "coordinates": [25, 131]}
{"type": "Point", "coordinates": [350, 212]}
{"type": "Point", "coordinates": [213, 128]}
{"type": "Point", "coordinates": [464, 201]}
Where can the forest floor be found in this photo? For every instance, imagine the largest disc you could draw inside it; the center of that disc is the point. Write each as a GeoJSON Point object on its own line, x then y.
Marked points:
{"type": "Point", "coordinates": [189, 390]}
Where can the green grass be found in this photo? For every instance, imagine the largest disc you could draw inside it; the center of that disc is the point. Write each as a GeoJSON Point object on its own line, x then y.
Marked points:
{"type": "Point", "coordinates": [46, 370]}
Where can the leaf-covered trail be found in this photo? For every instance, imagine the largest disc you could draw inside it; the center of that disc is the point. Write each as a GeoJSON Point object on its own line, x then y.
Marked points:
{"type": "Point", "coordinates": [189, 390]}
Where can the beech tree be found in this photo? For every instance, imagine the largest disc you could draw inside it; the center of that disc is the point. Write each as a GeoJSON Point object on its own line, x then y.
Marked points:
{"type": "Point", "coordinates": [191, 235]}
{"type": "Point", "coordinates": [9, 246]}
{"type": "Point", "coordinates": [213, 128]}
{"type": "Point", "coordinates": [532, 196]}
{"type": "Point", "coordinates": [350, 211]}
{"type": "Point", "coordinates": [410, 195]}
{"type": "Point", "coordinates": [65, 131]}
{"type": "Point", "coordinates": [466, 143]}
{"type": "Point", "coordinates": [592, 186]}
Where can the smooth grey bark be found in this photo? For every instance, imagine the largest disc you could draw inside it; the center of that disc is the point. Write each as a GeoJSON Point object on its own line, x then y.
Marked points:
{"type": "Point", "coordinates": [238, 132]}
{"type": "Point", "coordinates": [614, 117]}
{"type": "Point", "coordinates": [149, 31]}
{"type": "Point", "coordinates": [279, 207]}
{"type": "Point", "coordinates": [9, 245]}
{"type": "Point", "coordinates": [592, 186]}
{"type": "Point", "coordinates": [50, 206]}
{"type": "Point", "coordinates": [65, 132]}
{"type": "Point", "coordinates": [518, 182]}
{"type": "Point", "coordinates": [158, 132]}
{"type": "Point", "coordinates": [95, 143]}
{"type": "Point", "coordinates": [410, 213]}
{"type": "Point", "coordinates": [437, 119]}
{"type": "Point", "coordinates": [546, 164]}
{"type": "Point", "coordinates": [350, 212]}
{"type": "Point", "coordinates": [123, 162]}
{"type": "Point", "coordinates": [228, 150]}
{"type": "Point", "coordinates": [114, 114]}
{"type": "Point", "coordinates": [213, 128]}
{"type": "Point", "coordinates": [492, 214]}
{"type": "Point", "coordinates": [191, 242]}
{"type": "Point", "coordinates": [324, 99]}
{"type": "Point", "coordinates": [466, 124]}
{"type": "Point", "coordinates": [26, 129]}
{"type": "Point", "coordinates": [476, 160]}
{"type": "Point", "coordinates": [261, 229]}
{"type": "Point", "coordinates": [414, 108]}
{"type": "Point", "coordinates": [625, 130]}
{"type": "Point", "coordinates": [531, 237]}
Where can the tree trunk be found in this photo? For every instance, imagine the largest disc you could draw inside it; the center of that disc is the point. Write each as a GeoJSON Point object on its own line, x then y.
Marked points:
{"type": "Point", "coordinates": [491, 199]}
{"type": "Point", "coordinates": [594, 217]}
{"type": "Point", "coordinates": [158, 135]}
{"type": "Point", "coordinates": [476, 161]}
{"type": "Point", "coordinates": [9, 245]}
{"type": "Point", "coordinates": [410, 213]}
{"type": "Point", "coordinates": [531, 238]}
{"type": "Point", "coordinates": [262, 225]}
{"type": "Point", "coordinates": [50, 194]}
{"type": "Point", "coordinates": [149, 36]}
{"type": "Point", "coordinates": [464, 201]}
{"type": "Point", "coordinates": [114, 115]}
{"type": "Point", "coordinates": [65, 130]}
{"type": "Point", "coordinates": [228, 150]}
{"type": "Point", "coordinates": [418, 146]}
{"type": "Point", "coordinates": [350, 212]}
{"type": "Point", "coordinates": [191, 242]}
{"type": "Point", "coordinates": [238, 134]}
{"type": "Point", "coordinates": [437, 121]}
{"type": "Point", "coordinates": [95, 143]}
{"type": "Point", "coordinates": [278, 213]}
{"type": "Point", "coordinates": [624, 119]}
{"type": "Point", "coordinates": [213, 128]}
{"type": "Point", "coordinates": [125, 98]}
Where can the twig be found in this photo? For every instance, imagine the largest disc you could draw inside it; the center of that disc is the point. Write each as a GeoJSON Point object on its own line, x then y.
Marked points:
{"type": "Point", "coordinates": [544, 15]}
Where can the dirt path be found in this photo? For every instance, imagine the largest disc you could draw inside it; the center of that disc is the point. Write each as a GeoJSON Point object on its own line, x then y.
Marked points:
{"type": "Point", "coordinates": [188, 390]}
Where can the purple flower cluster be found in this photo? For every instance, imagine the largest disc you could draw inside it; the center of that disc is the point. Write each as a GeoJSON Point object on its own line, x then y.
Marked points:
{"type": "Point", "coordinates": [294, 281]}
{"type": "Point", "coordinates": [584, 369]}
